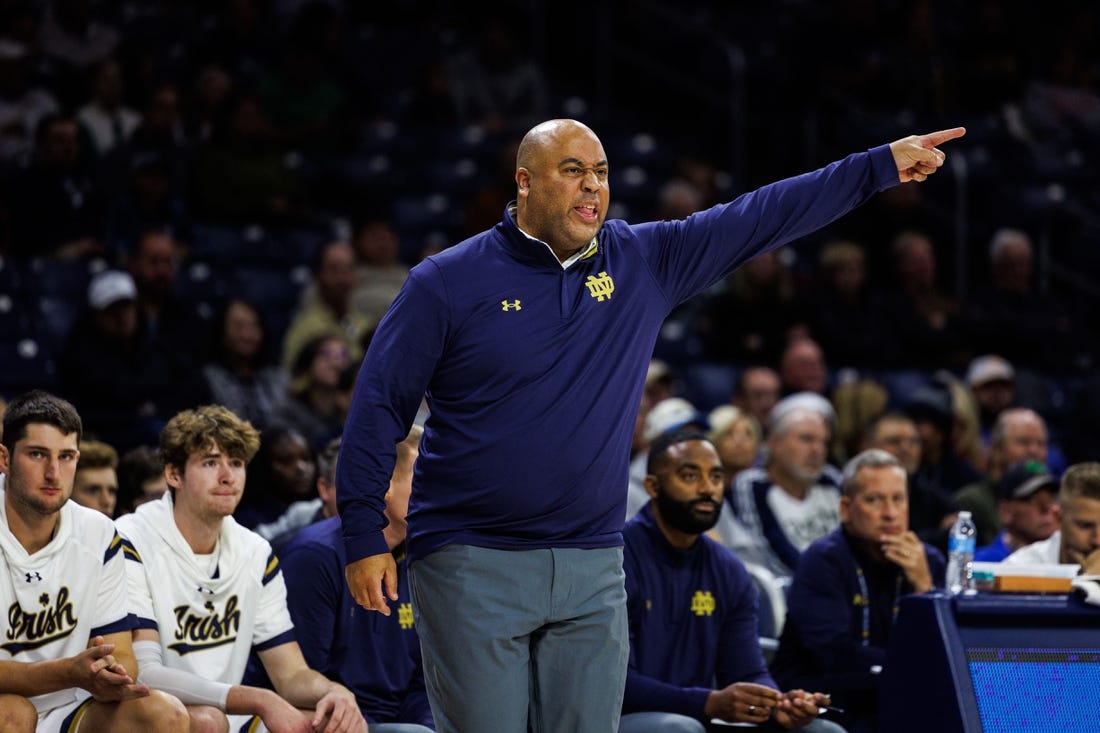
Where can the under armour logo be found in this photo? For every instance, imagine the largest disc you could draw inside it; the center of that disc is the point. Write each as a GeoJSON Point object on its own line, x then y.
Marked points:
{"type": "Point", "coordinates": [513, 306]}
{"type": "Point", "coordinates": [31, 577]}
{"type": "Point", "coordinates": [600, 287]}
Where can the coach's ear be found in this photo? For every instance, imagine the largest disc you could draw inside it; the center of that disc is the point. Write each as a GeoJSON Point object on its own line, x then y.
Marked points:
{"type": "Point", "coordinates": [523, 182]}
{"type": "Point", "coordinates": [4, 456]}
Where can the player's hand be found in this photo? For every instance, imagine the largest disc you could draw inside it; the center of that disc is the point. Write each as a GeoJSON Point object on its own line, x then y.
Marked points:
{"type": "Point", "coordinates": [338, 712]}
{"type": "Point", "coordinates": [279, 716]}
{"type": "Point", "coordinates": [742, 702]}
{"type": "Point", "coordinates": [917, 156]}
{"type": "Point", "coordinates": [97, 671]}
{"type": "Point", "coordinates": [372, 580]}
{"type": "Point", "coordinates": [798, 708]}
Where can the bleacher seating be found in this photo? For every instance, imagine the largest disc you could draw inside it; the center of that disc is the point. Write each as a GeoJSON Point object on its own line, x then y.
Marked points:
{"type": "Point", "coordinates": [25, 363]}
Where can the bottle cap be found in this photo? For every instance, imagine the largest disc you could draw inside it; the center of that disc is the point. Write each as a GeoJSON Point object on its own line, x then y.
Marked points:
{"type": "Point", "coordinates": [964, 514]}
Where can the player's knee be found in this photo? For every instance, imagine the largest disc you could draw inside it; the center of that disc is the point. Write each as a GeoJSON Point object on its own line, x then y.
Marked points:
{"type": "Point", "coordinates": [17, 714]}
{"type": "Point", "coordinates": [206, 719]}
{"type": "Point", "coordinates": [161, 712]}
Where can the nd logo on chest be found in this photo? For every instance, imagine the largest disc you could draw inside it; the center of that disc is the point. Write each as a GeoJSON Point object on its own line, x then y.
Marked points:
{"type": "Point", "coordinates": [703, 603]}
{"type": "Point", "coordinates": [600, 287]}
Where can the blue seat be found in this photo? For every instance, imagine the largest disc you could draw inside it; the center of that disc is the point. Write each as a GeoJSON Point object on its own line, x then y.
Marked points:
{"type": "Point", "coordinates": [641, 149]}
{"type": "Point", "coordinates": [413, 216]}
{"type": "Point", "coordinates": [270, 287]}
{"type": "Point", "coordinates": [455, 176]}
{"type": "Point", "coordinates": [229, 245]}
{"type": "Point", "coordinates": [27, 365]}
{"type": "Point", "coordinates": [708, 384]}
{"type": "Point", "coordinates": [295, 247]}
{"type": "Point", "coordinates": [55, 318]}
{"type": "Point", "coordinates": [11, 278]}
{"type": "Point", "coordinates": [203, 283]}
{"type": "Point", "coordinates": [16, 318]}
{"type": "Point", "coordinates": [372, 170]}
{"type": "Point", "coordinates": [60, 279]}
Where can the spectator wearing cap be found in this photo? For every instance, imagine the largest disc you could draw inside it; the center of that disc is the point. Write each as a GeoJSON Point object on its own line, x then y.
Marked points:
{"type": "Point", "coordinates": [667, 415]}
{"type": "Point", "coordinates": [1078, 537]}
{"type": "Point", "coordinates": [1027, 506]}
{"type": "Point", "coordinates": [124, 384]}
{"type": "Point", "coordinates": [992, 381]}
{"type": "Point", "coordinates": [773, 513]}
{"type": "Point", "coordinates": [1019, 434]}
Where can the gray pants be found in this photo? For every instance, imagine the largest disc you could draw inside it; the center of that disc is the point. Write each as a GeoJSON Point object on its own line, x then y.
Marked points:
{"type": "Point", "coordinates": [522, 641]}
{"type": "Point", "coordinates": [651, 722]}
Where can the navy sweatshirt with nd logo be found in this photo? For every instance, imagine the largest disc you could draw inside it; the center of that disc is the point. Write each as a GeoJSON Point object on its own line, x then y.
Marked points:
{"type": "Point", "coordinates": [533, 372]}
{"type": "Point", "coordinates": [693, 622]}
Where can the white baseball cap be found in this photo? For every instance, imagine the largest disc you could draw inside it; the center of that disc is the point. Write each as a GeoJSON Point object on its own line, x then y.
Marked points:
{"type": "Point", "coordinates": [670, 414]}
{"type": "Point", "coordinates": [109, 287]}
{"type": "Point", "coordinates": [989, 368]}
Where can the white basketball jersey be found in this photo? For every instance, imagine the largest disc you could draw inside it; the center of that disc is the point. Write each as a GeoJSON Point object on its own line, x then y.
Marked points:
{"type": "Point", "coordinates": [208, 621]}
{"type": "Point", "coordinates": [57, 599]}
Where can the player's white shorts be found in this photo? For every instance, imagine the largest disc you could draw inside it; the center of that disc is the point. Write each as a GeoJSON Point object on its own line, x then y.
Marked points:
{"type": "Point", "coordinates": [64, 718]}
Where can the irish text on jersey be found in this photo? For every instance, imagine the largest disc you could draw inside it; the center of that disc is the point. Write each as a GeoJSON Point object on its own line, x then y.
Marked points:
{"type": "Point", "coordinates": [33, 629]}
{"type": "Point", "coordinates": [195, 632]}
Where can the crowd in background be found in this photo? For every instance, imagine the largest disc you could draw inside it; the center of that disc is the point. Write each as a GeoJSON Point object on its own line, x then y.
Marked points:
{"type": "Point", "coordinates": [218, 152]}
{"type": "Point", "coordinates": [216, 202]}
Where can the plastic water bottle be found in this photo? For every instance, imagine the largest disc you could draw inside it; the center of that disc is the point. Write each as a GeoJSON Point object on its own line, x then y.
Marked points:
{"type": "Point", "coordinates": [960, 555]}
